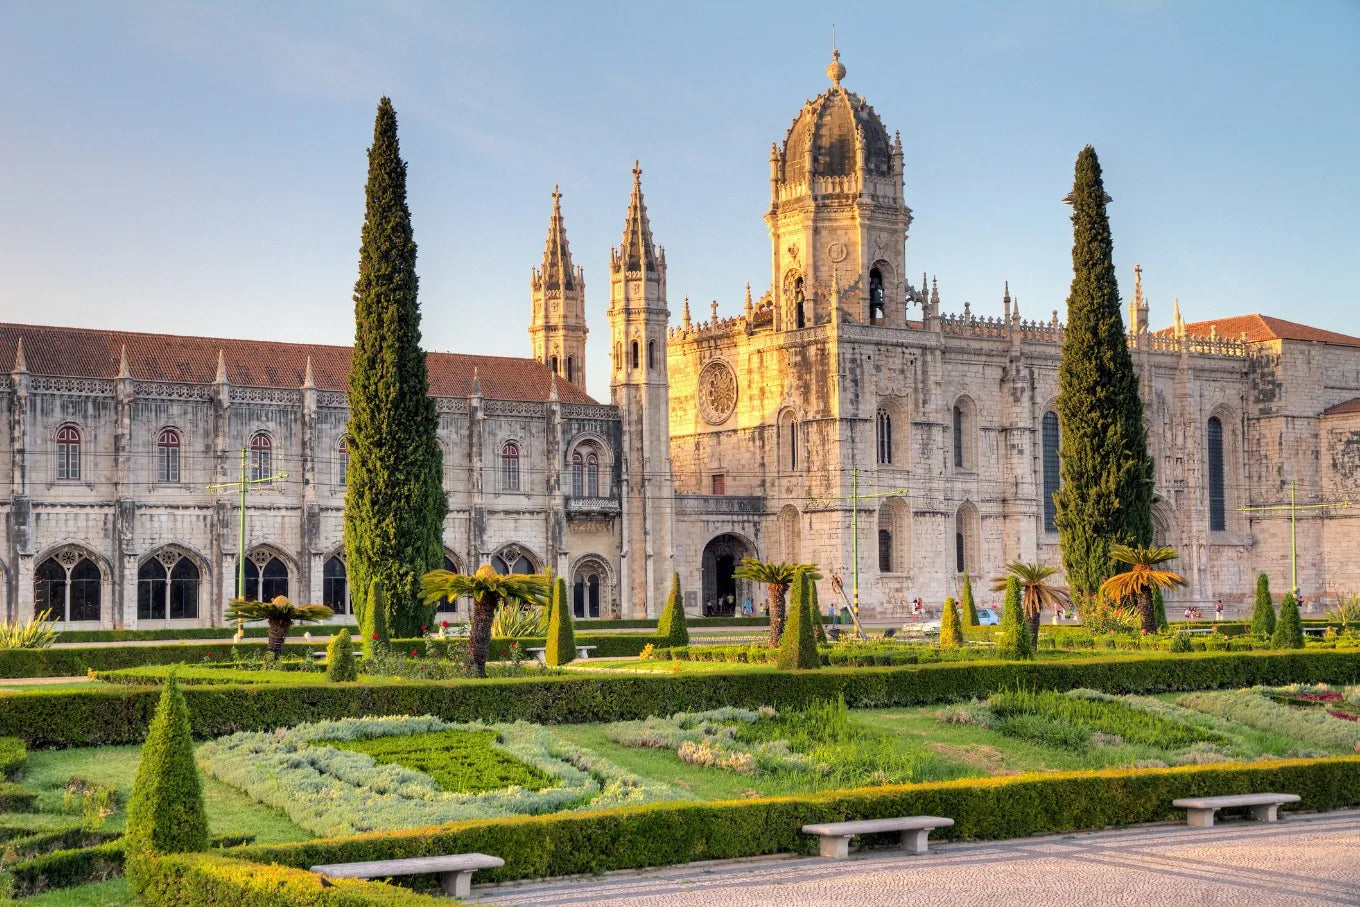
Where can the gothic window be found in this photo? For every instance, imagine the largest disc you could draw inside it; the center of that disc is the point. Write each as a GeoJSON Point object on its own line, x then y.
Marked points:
{"type": "Point", "coordinates": [571, 369]}
{"type": "Point", "coordinates": [876, 307]}
{"type": "Point", "coordinates": [585, 471]}
{"type": "Point", "coordinates": [651, 355]}
{"type": "Point", "coordinates": [959, 563]}
{"type": "Point", "coordinates": [587, 586]}
{"type": "Point", "coordinates": [799, 304]}
{"type": "Point", "coordinates": [167, 457]}
{"type": "Point", "coordinates": [68, 453]}
{"type": "Point", "coordinates": [885, 564]}
{"type": "Point", "coordinates": [965, 434]}
{"type": "Point", "coordinates": [635, 354]}
{"type": "Point", "coordinates": [1052, 470]}
{"type": "Point", "coordinates": [966, 532]}
{"type": "Point", "coordinates": [592, 475]}
{"type": "Point", "coordinates": [335, 585]}
{"type": "Point", "coordinates": [69, 586]}
{"type": "Point", "coordinates": [786, 437]}
{"type": "Point", "coordinates": [552, 364]}
{"type": "Point", "coordinates": [790, 533]}
{"type": "Point", "coordinates": [883, 436]}
{"type": "Point", "coordinates": [1218, 516]}
{"type": "Point", "coordinates": [342, 463]}
{"type": "Point", "coordinates": [261, 456]}
{"type": "Point", "coordinates": [266, 577]}
{"type": "Point", "coordinates": [958, 436]}
{"type": "Point", "coordinates": [446, 606]}
{"type": "Point", "coordinates": [167, 587]}
{"type": "Point", "coordinates": [512, 562]}
{"type": "Point", "coordinates": [894, 536]}
{"type": "Point", "coordinates": [510, 467]}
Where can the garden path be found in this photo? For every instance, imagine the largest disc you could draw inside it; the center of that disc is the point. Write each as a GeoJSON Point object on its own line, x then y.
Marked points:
{"type": "Point", "coordinates": [1303, 860]}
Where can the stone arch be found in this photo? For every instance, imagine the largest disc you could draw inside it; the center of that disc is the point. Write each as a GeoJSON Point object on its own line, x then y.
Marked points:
{"type": "Point", "coordinates": [884, 305]}
{"type": "Point", "coordinates": [589, 466]}
{"type": "Point", "coordinates": [592, 584]}
{"type": "Point", "coordinates": [894, 536]}
{"type": "Point", "coordinates": [967, 539]}
{"type": "Point", "coordinates": [1163, 523]}
{"type": "Point", "coordinates": [964, 433]}
{"type": "Point", "coordinates": [788, 447]}
{"type": "Point", "coordinates": [798, 309]}
{"type": "Point", "coordinates": [263, 574]}
{"type": "Point", "coordinates": [171, 581]}
{"type": "Point", "coordinates": [892, 426]}
{"type": "Point", "coordinates": [790, 534]}
{"type": "Point", "coordinates": [454, 563]}
{"type": "Point", "coordinates": [723, 593]}
{"type": "Point", "coordinates": [1222, 459]}
{"type": "Point", "coordinates": [515, 558]}
{"type": "Point", "coordinates": [64, 583]}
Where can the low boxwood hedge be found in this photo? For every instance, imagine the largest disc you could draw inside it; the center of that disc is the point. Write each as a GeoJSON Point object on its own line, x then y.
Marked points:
{"type": "Point", "coordinates": [13, 757]}
{"type": "Point", "coordinates": [86, 717]}
{"type": "Point", "coordinates": [223, 633]}
{"type": "Point", "coordinates": [66, 868]}
{"type": "Point", "coordinates": [16, 799]}
{"type": "Point", "coordinates": [664, 834]}
{"type": "Point", "coordinates": [78, 661]}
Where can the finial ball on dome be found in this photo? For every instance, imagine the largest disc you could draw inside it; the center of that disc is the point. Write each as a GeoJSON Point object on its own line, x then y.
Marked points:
{"type": "Point", "coordinates": [836, 71]}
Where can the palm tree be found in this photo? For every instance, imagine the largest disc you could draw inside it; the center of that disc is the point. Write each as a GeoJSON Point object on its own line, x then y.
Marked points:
{"type": "Point", "coordinates": [281, 614]}
{"type": "Point", "coordinates": [488, 590]}
{"type": "Point", "coordinates": [1036, 592]}
{"type": "Point", "coordinates": [1143, 576]}
{"type": "Point", "coordinates": [777, 577]}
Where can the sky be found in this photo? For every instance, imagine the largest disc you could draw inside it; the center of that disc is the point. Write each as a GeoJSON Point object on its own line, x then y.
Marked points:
{"type": "Point", "coordinates": [199, 168]}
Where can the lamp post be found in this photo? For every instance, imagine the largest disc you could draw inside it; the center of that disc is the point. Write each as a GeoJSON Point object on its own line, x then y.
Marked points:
{"type": "Point", "coordinates": [244, 486]}
{"type": "Point", "coordinates": [1293, 507]}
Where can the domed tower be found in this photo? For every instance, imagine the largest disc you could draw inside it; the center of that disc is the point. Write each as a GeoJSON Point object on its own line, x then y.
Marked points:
{"type": "Point", "coordinates": [838, 220]}
{"type": "Point", "coordinates": [558, 327]}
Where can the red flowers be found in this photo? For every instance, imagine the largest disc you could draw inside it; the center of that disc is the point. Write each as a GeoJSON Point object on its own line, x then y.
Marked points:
{"type": "Point", "coordinates": [1346, 715]}
{"type": "Point", "coordinates": [375, 635]}
{"type": "Point", "coordinates": [423, 628]}
{"type": "Point", "coordinates": [443, 623]}
{"type": "Point", "coordinates": [414, 653]}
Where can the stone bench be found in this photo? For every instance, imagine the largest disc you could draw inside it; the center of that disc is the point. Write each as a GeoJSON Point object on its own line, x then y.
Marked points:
{"type": "Point", "coordinates": [454, 872]}
{"type": "Point", "coordinates": [541, 655]}
{"type": "Point", "coordinates": [836, 836]}
{"type": "Point", "coordinates": [1200, 810]}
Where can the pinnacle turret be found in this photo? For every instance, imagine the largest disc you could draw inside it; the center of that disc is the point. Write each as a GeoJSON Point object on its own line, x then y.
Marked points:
{"type": "Point", "coordinates": [557, 272]}
{"type": "Point", "coordinates": [637, 249]}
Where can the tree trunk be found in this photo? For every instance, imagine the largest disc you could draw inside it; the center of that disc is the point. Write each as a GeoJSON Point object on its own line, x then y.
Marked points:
{"type": "Point", "coordinates": [479, 632]}
{"type": "Point", "coordinates": [278, 632]}
{"type": "Point", "coordinates": [1148, 610]}
{"type": "Point", "coordinates": [1032, 620]}
{"type": "Point", "coordinates": [776, 613]}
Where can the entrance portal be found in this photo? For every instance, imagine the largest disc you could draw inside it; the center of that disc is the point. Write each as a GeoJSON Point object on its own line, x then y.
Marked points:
{"type": "Point", "coordinates": [723, 593]}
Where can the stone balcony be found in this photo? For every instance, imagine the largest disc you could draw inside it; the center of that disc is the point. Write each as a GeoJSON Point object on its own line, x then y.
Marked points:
{"type": "Point", "coordinates": [588, 508]}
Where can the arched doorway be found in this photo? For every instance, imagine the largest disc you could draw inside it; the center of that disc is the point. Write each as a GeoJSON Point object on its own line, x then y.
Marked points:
{"type": "Point", "coordinates": [723, 593]}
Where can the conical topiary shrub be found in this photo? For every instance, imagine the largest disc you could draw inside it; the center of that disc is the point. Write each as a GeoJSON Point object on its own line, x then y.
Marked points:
{"type": "Point", "coordinates": [1015, 641]}
{"type": "Point", "coordinates": [340, 664]}
{"type": "Point", "coordinates": [815, 609]}
{"type": "Point", "coordinates": [1263, 615]}
{"type": "Point", "coordinates": [671, 629]}
{"type": "Point", "coordinates": [798, 644]}
{"type": "Point", "coordinates": [1289, 628]}
{"type": "Point", "coordinates": [165, 813]}
{"type": "Point", "coordinates": [1159, 610]}
{"type": "Point", "coordinates": [376, 636]}
{"type": "Point", "coordinates": [951, 633]}
{"type": "Point", "coordinates": [561, 644]}
{"type": "Point", "coordinates": [966, 598]}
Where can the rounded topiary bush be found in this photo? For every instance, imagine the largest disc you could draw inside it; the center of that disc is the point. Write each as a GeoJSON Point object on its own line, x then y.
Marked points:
{"type": "Point", "coordinates": [340, 663]}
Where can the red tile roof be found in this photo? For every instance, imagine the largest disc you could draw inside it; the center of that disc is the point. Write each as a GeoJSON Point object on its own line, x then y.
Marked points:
{"type": "Point", "coordinates": [1343, 409]}
{"type": "Point", "coordinates": [85, 353]}
{"type": "Point", "coordinates": [1261, 328]}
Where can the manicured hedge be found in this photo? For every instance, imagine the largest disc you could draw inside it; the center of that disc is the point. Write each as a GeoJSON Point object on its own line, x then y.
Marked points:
{"type": "Point", "coordinates": [13, 757]}
{"type": "Point", "coordinates": [15, 799]}
{"type": "Point", "coordinates": [79, 661]}
{"type": "Point", "coordinates": [223, 633]}
{"type": "Point", "coordinates": [650, 623]}
{"type": "Point", "coordinates": [56, 718]}
{"type": "Point", "coordinates": [663, 834]}
{"type": "Point", "coordinates": [66, 868]}
{"type": "Point", "coordinates": [208, 880]}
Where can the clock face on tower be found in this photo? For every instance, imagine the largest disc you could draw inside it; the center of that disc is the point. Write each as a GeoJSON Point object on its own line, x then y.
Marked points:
{"type": "Point", "coordinates": [717, 392]}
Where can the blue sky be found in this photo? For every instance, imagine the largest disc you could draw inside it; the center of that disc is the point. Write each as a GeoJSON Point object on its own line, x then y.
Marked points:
{"type": "Point", "coordinates": [199, 167]}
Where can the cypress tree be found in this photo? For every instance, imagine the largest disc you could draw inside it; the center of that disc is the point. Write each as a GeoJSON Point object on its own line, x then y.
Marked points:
{"type": "Point", "coordinates": [561, 642]}
{"type": "Point", "coordinates": [1106, 492]}
{"type": "Point", "coordinates": [1015, 642]}
{"type": "Point", "coordinates": [166, 812]}
{"type": "Point", "coordinates": [671, 628]}
{"type": "Point", "coordinates": [969, 608]}
{"type": "Point", "coordinates": [1289, 628]}
{"type": "Point", "coordinates": [394, 495]}
{"type": "Point", "coordinates": [951, 634]}
{"type": "Point", "coordinates": [376, 635]}
{"type": "Point", "coordinates": [1159, 610]}
{"type": "Point", "coordinates": [340, 665]}
{"type": "Point", "coordinates": [1263, 615]}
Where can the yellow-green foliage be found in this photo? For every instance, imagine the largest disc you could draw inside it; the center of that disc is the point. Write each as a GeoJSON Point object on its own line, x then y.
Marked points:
{"type": "Point", "coordinates": [13, 757]}
{"type": "Point", "coordinates": [1288, 633]}
{"type": "Point", "coordinates": [166, 814]}
{"type": "Point", "coordinates": [951, 634]}
{"type": "Point", "coordinates": [970, 617]}
{"type": "Point", "coordinates": [561, 645]}
{"type": "Point", "coordinates": [340, 664]}
{"type": "Point", "coordinates": [203, 880]}
{"type": "Point", "coordinates": [798, 645]}
{"type": "Point", "coordinates": [376, 636]}
{"type": "Point", "coordinates": [1015, 642]}
{"type": "Point", "coordinates": [671, 627]}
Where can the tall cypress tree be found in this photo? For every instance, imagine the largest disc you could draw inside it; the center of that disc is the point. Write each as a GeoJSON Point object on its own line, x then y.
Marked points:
{"type": "Point", "coordinates": [1106, 491]}
{"type": "Point", "coordinates": [394, 497]}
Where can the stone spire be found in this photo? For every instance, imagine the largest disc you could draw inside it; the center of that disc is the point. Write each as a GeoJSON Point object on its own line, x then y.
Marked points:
{"type": "Point", "coordinates": [637, 248]}
{"type": "Point", "coordinates": [308, 381]}
{"type": "Point", "coordinates": [552, 389]}
{"type": "Point", "coordinates": [221, 367]}
{"type": "Point", "coordinates": [1006, 301]}
{"type": "Point", "coordinates": [684, 316]}
{"type": "Point", "coordinates": [557, 272]}
{"type": "Point", "coordinates": [750, 306]}
{"type": "Point", "coordinates": [123, 371]}
{"type": "Point", "coordinates": [1138, 308]}
{"type": "Point", "coordinates": [476, 383]}
{"type": "Point", "coordinates": [558, 326]}
{"type": "Point", "coordinates": [20, 364]}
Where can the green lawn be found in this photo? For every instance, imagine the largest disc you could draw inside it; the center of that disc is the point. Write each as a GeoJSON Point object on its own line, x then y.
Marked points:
{"type": "Point", "coordinates": [112, 893]}
{"type": "Point", "coordinates": [655, 666]}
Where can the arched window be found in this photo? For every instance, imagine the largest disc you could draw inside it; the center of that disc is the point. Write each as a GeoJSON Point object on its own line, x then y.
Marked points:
{"type": "Point", "coordinates": [266, 577]}
{"type": "Point", "coordinates": [894, 536]}
{"type": "Point", "coordinates": [167, 457]}
{"type": "Point", "coordinates": [512, 562]}
{"type": "Point", "coordinates": [651, 354]}
{"type": "Point", "coordinates": [883, 437]}
{"type": "Point", "coordinates": [876, 307]}
{"type": "Point", "coordinates": [1218, 510]}
{"type": "Point", "coordinates": [69, 586]}
{"type": "Point", "coordinates": [585, 590]}
{"type": "Point", "coordinates": [885, 559]}
{"type": "Point", "coordinates": [552, 364]}
{"type": "Point", "coordinates": [1052, 470]}
{"type": "Point", "coordinates": [799, 304]}
{"type": "Point", "coordinates": [446, 606]}
{"type": "Point", "coordinates": [578, 475]}
{"type": "Point", "coordinates": [790, 533]}
{"type": "Point", "coordinates": [635, 354]}
{"type": "Point", "coordinates": [786, 436]}
{"type": "Point", "coordinates": [342, 463]}
{"type": "Point", "coordinates": [167, 587]}
{"type": "Point", "coordinates": [571, 369]}
{"type": "Point", "coordinates": [958, 436]}
{"type": "Point", "coordinates": [510, 467]}
{"type": "Point", "coordinates": [335, 585]}
{"type": "Point", "coordinates": [68, 453]}
{"type": "Point", "coordinates": [965, 434]}
{"type": "Point", "coordinates": [261, 456]}
{"type": "Point", "coordinates": [966, 531]}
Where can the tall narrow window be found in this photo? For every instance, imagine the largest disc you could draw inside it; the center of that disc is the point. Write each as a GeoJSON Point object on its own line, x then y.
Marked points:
{"type": "Point", "coordinates": [884, 437]}
{"type": "Point", "coordinates": [1218, 516]}
{"type": "Point", "coordinates": [793, 445]}
{"type": "Point", "coordinates": [342, 463]}
{"type": "Point", "coordinates": [1052, 470]}
{"type": "Point", "coordinates": [167, 457]}
{"type": "Point", "coordinates": [958, 436]}
{"type": "Point", "coordinates": [651, 354]}
{"type": "Point", "coordinates": [261, 456]}
{"type": "Point", "coordinates": [592, 475]}
{"type": "Point", "coordinates": [885, 564]}
{"type": "Point", "coordinates": [510, 467]}
{"type": "Point", "coordinates": [635, 354]}
{"type": "Point", "coordinates": [571, 369]}
{"type": "Point", "coordinates": [552, 364]}
{"type": "Point", "coordinates": [799, 304]}
{"type": "Point", "coordinates": [335, 585]}
{"type": "Point", "coordinates": [68, 452]}
{"type": "Point", "coordinates": [876, 307]}
{"type": "Point", "coordinates": [959, 564]}
{"type": "Point", "coordinates": [578, 475]}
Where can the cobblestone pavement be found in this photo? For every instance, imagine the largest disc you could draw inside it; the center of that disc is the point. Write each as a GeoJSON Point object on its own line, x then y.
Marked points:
{"type": "Point", "coordinates": [1303, 860]}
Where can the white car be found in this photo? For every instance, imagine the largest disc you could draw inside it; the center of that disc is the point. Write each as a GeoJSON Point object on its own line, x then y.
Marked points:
{"type": "Point", "coordinates": [987, 617]}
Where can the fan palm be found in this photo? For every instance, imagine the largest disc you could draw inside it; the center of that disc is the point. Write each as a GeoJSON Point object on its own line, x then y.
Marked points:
{"type": "Point", "coordinates": [488, 590]}
{"type": "Point", "coordinates": [1036, 592]}
{"type": "Point", "coordinates": [777, 577]}
{"type": "Point", "coordinates": [1145, 574]}
{"type": "Point", "coordinates": [281, 614]}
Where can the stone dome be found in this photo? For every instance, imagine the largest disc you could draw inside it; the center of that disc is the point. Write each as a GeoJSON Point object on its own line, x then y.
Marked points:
{"type": "Point", "coordinates": [822, 140]}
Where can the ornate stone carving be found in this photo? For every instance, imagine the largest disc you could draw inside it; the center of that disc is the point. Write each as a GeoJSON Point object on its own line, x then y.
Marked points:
{"type": "Point", "coordinates": [272, 395]}
{"type": "Point", "coordinates": [333, 399]}
{"type": "Point", "coordinates": [836, 252]}
{"type": "Point", "coordinates": [513, 408]}
{"type": "Point", "coordinates": [84, 386]}
{"type": "Point", "coordinates": [717, 392]}
{"type": "Point", "coordinates": [166, 390]}
{"type": "Point", "coordinates": [455, 405]}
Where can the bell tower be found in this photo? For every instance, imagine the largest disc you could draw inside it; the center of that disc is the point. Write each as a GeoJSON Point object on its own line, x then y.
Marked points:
{"type": "Point", "coordinates": [558, 327]}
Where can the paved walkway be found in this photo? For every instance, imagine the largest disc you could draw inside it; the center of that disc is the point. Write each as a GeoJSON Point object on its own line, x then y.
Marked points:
{"type": "Point", "coordinates": [1304, 860]}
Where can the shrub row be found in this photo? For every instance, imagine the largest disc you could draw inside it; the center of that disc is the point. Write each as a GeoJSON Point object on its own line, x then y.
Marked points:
{"type": "Point", "coordinates": [13, 757]}
{"type": "Point", "coordinates": [663, 834]}
{"type": "Point", "coordinates": [79, 661]}
{"type": "Point", "coordinates": [66, 868]}
{"type": "Point", "coordinates": [85, 717]}
{"type": "Point", "coordinates": [15, 799]}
